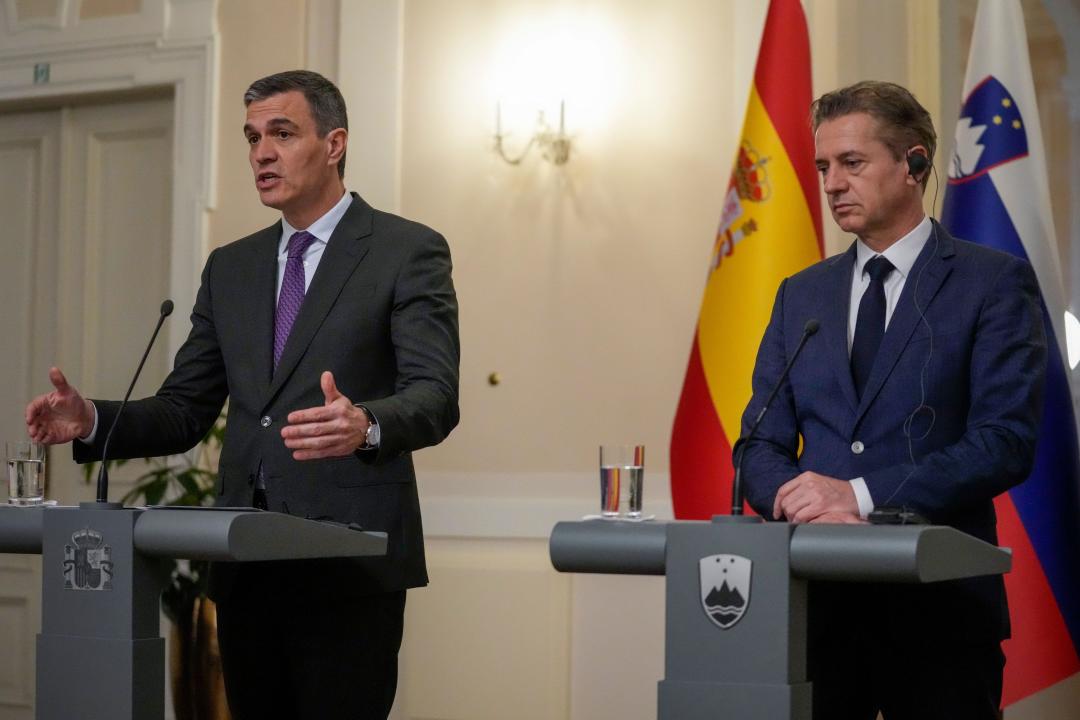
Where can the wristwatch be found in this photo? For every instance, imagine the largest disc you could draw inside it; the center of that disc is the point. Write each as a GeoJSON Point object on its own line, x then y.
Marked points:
{"type": "Point", "coordinates": [371, 424]}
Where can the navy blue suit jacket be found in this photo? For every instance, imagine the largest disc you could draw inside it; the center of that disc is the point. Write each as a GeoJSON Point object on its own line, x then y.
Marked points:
{"type": "Point", "coordinates": [967, 340]}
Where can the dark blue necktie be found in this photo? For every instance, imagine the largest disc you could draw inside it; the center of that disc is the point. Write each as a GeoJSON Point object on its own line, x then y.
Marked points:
{"type": "Point", "coordinates": [870, 325]}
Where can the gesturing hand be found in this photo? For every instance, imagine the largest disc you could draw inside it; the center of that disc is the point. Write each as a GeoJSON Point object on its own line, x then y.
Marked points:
{"type": "Point", "coordinates": [61, 415]}
{"type": "Point", "coordinates": [334, 430]}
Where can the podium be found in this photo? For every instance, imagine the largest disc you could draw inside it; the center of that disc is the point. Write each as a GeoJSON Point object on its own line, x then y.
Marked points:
{"type": "Point", "coordinates": [735, 629]}
{"type": "Point", "coordinates": [99, 654]}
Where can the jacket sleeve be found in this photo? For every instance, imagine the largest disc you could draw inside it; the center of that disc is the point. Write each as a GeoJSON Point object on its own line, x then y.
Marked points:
{"type": "Point", "coordinates": [181, 413]}
{"type": "Point", "coordinates": [424, 332]}
{"type": "Point", "coordinates": [771, 458]}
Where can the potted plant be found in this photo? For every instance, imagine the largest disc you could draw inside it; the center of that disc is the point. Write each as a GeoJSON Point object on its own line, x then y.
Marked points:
{"type": "Point", "coordinates": [194, 663]}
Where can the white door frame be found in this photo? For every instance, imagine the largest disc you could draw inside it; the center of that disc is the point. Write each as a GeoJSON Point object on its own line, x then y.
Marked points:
{"type": "Point", "coordinates": [167, 43]}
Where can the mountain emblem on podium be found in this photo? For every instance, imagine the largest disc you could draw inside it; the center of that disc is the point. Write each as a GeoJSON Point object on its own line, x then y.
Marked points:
{"type": "Point", "coordinates": [725, 588]}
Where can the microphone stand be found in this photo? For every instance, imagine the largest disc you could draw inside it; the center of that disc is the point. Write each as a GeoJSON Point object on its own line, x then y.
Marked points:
{"type": "Point", "coordinates": [103, 472]}
{"type": "Point", "coordinates": [809, 329]}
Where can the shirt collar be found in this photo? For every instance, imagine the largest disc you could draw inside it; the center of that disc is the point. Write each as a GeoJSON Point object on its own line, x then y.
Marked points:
{"type": "Point", "coordinates": [902, 254]}
{"type": "Point", "coordinates": [322, 228]}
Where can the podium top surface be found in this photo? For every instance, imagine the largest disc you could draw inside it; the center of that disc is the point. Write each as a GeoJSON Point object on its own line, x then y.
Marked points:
{"type": "Point", "coordinates": [240, 535]}
{"type": "Point", "coordinates": [20, 529]}
{"type": "Point", "coordinates": [244, 535]}
{"type": "Point", "coordinates": [861, 553]}
{"type": "Point", "coordinates": [892, 553]}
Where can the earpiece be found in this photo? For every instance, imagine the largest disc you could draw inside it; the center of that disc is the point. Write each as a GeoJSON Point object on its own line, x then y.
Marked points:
{"type": "Point", "coordinates": [917, 164]}
{"type": "Point", "coordinates": [921, 408]}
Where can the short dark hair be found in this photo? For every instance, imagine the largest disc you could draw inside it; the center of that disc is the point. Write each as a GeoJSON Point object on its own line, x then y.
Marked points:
{"type": "Point", "coordinates": [904, 123]}
{"type": "Point", "coordinates": [324, 99]}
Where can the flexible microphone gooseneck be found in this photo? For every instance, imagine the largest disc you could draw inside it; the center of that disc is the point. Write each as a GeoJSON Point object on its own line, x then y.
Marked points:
{"type": "Point", "coordinates": [809, 329]}
{"type": "Point", "coordinates": [103, 473]}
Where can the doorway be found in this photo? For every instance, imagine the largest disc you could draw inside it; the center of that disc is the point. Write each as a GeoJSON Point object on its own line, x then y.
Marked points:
{"type": "Point", "coordinates": [86, 196]}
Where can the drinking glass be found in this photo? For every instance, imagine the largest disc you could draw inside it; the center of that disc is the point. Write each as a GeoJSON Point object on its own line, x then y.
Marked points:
{"type": "Point", "coordinates": [26, 472]}
{"type": "Point", "coordinates": [622, 474]}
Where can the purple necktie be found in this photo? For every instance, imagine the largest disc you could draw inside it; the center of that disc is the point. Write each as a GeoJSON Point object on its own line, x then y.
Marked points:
{"type": "Point", "coordinates": [292, 291]}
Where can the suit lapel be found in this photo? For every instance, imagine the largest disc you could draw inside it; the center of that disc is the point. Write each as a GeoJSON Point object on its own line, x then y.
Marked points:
{"type": "Point", "coordinates": [929, 272]}
{"type": "Point", "coordinates": [344, 251]}
{"type": "Point", "coordinates": [836, 323]}
{"type": "Point", "coordinates": [261, 298]}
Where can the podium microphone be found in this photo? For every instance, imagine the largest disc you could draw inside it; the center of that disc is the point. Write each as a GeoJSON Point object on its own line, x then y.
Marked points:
{"type": "Point", "coordinates": [103, 473]}
{"type": "Point", "coordinates": [809, 329]}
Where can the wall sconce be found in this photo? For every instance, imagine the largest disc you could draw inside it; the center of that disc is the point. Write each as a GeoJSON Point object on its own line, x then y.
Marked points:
{"type": "Point", "coordinates": [554, 144]}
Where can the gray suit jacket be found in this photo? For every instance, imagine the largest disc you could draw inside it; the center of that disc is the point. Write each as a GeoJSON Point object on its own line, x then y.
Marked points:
{"type": "Point", "coordinates": [381, 314]}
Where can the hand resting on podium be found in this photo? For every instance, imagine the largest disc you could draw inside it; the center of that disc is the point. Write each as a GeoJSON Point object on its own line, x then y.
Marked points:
{"type": "Point", "coordinates": [810, 496]}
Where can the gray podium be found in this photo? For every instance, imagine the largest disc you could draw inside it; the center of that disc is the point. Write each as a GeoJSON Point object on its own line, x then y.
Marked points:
{"type": "Point", "coordinates": [735, 644]}
{"type": "Point", "coordinates": [100, 655]}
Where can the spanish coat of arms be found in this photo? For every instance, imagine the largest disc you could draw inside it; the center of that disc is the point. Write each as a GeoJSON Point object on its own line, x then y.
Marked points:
{"type": "Point", "coordinates": [87, 562]}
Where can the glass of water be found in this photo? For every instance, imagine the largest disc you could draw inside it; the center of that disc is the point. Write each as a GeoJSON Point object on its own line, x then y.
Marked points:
{"type": "Point", "coordinates": [622, 474]}
{"type": "Point", "coordinates": [26, 472]}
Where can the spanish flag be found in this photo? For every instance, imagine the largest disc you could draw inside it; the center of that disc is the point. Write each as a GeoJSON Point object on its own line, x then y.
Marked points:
{"type": "Point", "coordinates": [770, 228]}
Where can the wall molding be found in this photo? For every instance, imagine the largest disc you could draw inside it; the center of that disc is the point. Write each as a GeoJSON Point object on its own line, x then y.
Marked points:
{"type": "Point", "coordinates": [519, 505]}
{"type": "Point", "coordinates": [370, 71]}
{"type": "Point", "coordinates": [168, 43]}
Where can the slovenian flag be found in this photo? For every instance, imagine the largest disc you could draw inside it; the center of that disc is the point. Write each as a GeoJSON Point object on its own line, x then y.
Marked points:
{"type": "Point", "coordinates": [770, 228]}
{"type": "Point", "coordinates": [998, 195]}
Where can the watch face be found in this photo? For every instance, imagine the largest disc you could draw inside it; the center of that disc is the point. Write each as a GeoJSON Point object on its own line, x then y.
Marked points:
{"type": "Point", "coordinates": [372, 428]}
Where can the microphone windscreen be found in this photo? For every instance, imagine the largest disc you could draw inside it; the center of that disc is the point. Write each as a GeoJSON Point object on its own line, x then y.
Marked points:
{"type": "Point", "coordinates": [166, 308]}
{"type": "Point", "coordinates": [811, 326]}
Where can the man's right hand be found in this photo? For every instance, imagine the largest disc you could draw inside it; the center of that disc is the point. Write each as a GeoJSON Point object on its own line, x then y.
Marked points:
{"type": "Point", "coordinates": [60, 416]}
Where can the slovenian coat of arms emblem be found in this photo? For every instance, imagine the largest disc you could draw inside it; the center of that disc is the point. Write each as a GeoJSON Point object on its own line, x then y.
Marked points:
{"type": "Point", "coordinates": [725, 588]}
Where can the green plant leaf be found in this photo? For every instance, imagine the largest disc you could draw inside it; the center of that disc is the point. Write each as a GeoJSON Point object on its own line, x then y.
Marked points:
{"type": "Point", "coordinates": [188, 481]}
{"type": "Point", "coordinates": [154, 493]}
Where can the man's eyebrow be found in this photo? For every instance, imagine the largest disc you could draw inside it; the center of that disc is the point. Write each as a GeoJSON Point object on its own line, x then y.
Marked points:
{"type": "Point", "coordinates": [846, 155]}
{"type": "Point", "coordinates": [277, 122]}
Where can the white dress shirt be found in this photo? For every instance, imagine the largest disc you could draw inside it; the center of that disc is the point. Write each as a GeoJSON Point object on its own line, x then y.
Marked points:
{"type": "Point", "coordinates": [322, 229]}
{"type": "Point", "coordinates": [902, 254]}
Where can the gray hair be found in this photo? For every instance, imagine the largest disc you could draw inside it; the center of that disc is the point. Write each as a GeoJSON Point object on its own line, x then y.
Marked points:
{"type": "Point", "coordinates": [324, 99]}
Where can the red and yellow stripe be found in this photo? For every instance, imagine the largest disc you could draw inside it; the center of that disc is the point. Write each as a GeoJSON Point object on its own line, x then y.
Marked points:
{"type": "Point", "coordinates": [770, 229]}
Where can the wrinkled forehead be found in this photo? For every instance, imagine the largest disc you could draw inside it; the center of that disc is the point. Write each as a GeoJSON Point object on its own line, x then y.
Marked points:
{"type": "Point", "coordinates": [847, 134]}
{"type": "Point", "coordinates": [288, 108]}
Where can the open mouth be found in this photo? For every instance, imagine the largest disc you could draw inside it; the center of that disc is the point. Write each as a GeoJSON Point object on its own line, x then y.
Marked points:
{"type": "Point", "coordinates": [266, 179]}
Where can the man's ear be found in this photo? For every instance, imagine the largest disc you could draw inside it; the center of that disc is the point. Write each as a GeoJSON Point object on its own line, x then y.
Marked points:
{"type": "Point", "coordinates": [336, 142]}
{"type": "Point", "coordinates": [918, 162]}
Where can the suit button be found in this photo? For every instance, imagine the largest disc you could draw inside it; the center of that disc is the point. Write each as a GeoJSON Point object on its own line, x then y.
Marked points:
{"type": "Point", "coordinates": [857, 447]}
{"type": "Point", "coordinates": [266, 421]}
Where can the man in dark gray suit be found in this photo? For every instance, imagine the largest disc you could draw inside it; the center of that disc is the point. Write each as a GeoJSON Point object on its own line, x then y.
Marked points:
{"type": "Point", "coordinates": [334, 336]}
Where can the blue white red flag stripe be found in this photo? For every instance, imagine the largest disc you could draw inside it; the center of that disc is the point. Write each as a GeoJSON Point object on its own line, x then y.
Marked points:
{"type": "Point", "coordinates": [998, 195]}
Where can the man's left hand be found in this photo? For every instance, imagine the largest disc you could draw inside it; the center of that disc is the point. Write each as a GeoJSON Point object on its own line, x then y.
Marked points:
{"type": "Point", "coordinates": [810, 495]}
{"type": "Point", "coordinates": [838, 518]}
{"type": "Point", "coordinates": [334, 430]}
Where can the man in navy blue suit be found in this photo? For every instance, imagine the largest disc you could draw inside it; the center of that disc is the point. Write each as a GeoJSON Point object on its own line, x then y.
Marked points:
{"type": "Point", "coordinates": [922, 390]}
